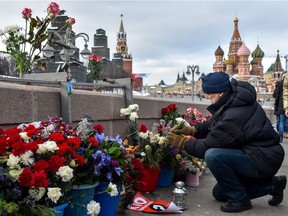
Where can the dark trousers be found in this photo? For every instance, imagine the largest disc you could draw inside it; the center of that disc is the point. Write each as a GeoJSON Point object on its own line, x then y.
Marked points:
{"type": "Point", "coordinates": [236, 177]}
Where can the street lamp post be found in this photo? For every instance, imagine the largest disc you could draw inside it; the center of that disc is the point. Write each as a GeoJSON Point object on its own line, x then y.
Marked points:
{"type": "Point", "coordinates": [67, 52]}
{"type": "Point", "coordinates": [191, 70]}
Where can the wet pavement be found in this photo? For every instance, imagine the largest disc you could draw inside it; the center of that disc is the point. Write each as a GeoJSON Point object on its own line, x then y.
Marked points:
{"type": "Point", "coordinates": [201, 203]}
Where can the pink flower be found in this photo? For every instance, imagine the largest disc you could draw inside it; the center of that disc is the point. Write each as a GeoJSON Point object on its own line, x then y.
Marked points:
{"type": "Point", "coordinates": [53, 9]}
{"type": "Point", "coordinates": [27, 13]}
{"type": "Point", "coordinates": [95, 58]}
{"type": "Point", "coordinates": [70, 21]}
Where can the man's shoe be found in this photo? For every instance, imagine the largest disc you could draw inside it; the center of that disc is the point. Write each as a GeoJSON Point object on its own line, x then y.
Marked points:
{"type": "Point", "coordinates": [236, 206]}
{"type": "Point", "coordinates": [286, 135]}
{"type": "Point", "coordinates": [279, 184]}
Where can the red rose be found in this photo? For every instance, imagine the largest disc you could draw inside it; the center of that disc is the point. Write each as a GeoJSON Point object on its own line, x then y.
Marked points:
{"type": "Point", "coordinates": [142, 128]}
{"type": "Point", "coordinates": [172, 107]}
{"type": "Point", "coordinates": [164, 111]}
{"type": "Point", "coordinates": [40, 165]}
{"type": "Point", "coordinates": [26, 13]}
{"type": "Point", "coordinates": [26, 178]}
{"type": "Point", "coordinates": [53, 9]}
{"type": "Point", "coordinates": [99, 128]}
{"type": "Point", "coordinates": [57, 137]}
{"type": "Point", "coordinates": [70, 21]}
{"type": "Point", "coordinates": [56, 162]}
{"type": "Point", "coordinates": [40, 179]}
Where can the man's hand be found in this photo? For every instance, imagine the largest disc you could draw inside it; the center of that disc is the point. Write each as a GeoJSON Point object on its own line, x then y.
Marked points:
{"type": "Point", "coordinates": [186, 130]}
{"type": "Point", "coordinates": [286, 113]}
{"type": "Point", "coordinates": [177, 140]}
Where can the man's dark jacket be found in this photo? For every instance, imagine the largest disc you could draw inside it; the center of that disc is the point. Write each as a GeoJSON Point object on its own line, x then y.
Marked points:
{"type": "Point", "coordinates": [239, 122]}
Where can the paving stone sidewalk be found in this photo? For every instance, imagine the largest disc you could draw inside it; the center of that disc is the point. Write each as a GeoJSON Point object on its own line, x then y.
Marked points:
{"type": "Point", "coordinates": [201, 203]}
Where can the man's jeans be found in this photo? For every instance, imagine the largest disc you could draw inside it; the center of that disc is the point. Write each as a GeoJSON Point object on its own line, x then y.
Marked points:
{"type": "Point", "coordinates": [281, 125]}
{"type": "Point", "coordinates": [236, 177]}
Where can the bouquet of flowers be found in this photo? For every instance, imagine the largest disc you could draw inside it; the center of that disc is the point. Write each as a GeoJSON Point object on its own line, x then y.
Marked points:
{"type": "Point", "coordinates": [193, 116]}
{"type": "Point", "coordinates": [170, 114]}
{"type": "Point", "coordinates": [36, 171]}
{"type": "Point", "coordinates": [95, 66]}
{"type": "Point", "coordinates": [25, 44]}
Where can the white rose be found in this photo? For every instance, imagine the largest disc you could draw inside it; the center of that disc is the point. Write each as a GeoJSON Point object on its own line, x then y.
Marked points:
{"type": "Point", "coordinates": [13, 161]}
{"type": "Point", "coordinates": [26, 158]}
{"type": "Point", "coordinates": [162, 140]}
{"type": "Point", "coordinates": [112, 189]}
{"type": "Point", "coordinates": [54, 194]}
{"type": "Point", "coordinates": [154, 138]}
{"type": "Point", "coordinates": [133, 116]}
{"type": "Point", "coordinates": [14, 174]}
{"type": "Point", "coordinates": [93, 208]}
{"type": "Point", "coordinates": [66, 173]}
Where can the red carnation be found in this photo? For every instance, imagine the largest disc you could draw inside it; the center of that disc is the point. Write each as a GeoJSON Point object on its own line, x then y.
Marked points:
{"type": "Point", "coordinates": [1, 131]}
{"type": "Point", "coordinates": [79, 159]}
{"type": "Point", "coordinates": [40, 165]}
{"type": "Point", "coordinates": [142, 128]}
{"type": "Point", "coordinates": [19, 148]}
{"type": "Point", "coordinates": [94, 142]}
{"type": "Point", "coordinates": [56, 162]}
{"type": "Point", "coordinates": [63, 148]}
{"type": "Point", "coordinates": [13, 138]}
{"type": "Point", "coordinates": [40, 179]}
{"type": "Point", "coordinates": [13, 130]}
{"type": "Point", "coordinates": [26, 178]}
{"type": "Point", "coordinates": [31, 130]}
{"type": "Point", "coordinates": [57, 137]}
{"type": "Point", "coordinates": [99, 128]}
{"type": "Point", "coordinates": [74, 142]}
{"type": "Point", "coordinates": [3, 145]}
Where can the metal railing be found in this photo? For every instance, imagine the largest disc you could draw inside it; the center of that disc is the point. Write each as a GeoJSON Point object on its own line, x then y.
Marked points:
{"type": "Point", "coordinates": [125, 84]}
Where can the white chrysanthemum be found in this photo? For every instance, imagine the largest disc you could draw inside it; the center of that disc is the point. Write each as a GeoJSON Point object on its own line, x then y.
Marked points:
{"type": "Point", "coordinates": [12, 28]}
{"type": "Point", "coordinates": [37, 194]}
{"type": "Point", "coordinates": [14, 174]}
{"type": "Point", "coordinates": [125, 112]}
{"type": "Point", "coordinates": [180, 120]}
{"type": "Point", "coordinates": [13, 162]}
{"type": "Point", "coordinates": [66, 173]}
{"type": "Point", "coordinates": [144, 135]}
{"type": "Point", "coordinates": [50, 128]}
{"type": "Point", "coordinates": [26, 158]}
{"type": "Point", "coordinates": [112, 189]}
{"type": "Point", "coordinates": [133, 116]}
{"type": "Point", "coordinates": [93, 208]}
{"type": "Point", "coordinates": [54, 194]}
{"type": "Point", "coordinates": [133, 107]}
{"type": "Point", "coordinates": [48, 146]}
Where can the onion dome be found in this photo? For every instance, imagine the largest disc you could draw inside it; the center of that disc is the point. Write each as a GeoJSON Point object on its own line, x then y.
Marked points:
{"type": "Point", "coordinates": [254, 62]}
{"type": "Point", "coordinates": [219, 52]}
{"type": "Point", "coordinates": [258, 53]}
{"type": "Point", "coordinates": [235, 20]}
{"type": "Point", "coordinates": [243, 50]}
{"type": "Point", "coordinates": [229, 62]}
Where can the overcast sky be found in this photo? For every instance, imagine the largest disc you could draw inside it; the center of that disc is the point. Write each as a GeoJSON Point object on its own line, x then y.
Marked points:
{"type": "Point", "coordinates": [166, 36]}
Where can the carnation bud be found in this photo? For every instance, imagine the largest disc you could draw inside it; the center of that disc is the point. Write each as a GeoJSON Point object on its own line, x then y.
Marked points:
{"type": "Point", "coordinates": [72, 163]}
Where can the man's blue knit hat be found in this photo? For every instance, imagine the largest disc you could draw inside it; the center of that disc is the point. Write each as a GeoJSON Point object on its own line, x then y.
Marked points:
{"type": "Point", "coordinates": [215, 82]}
